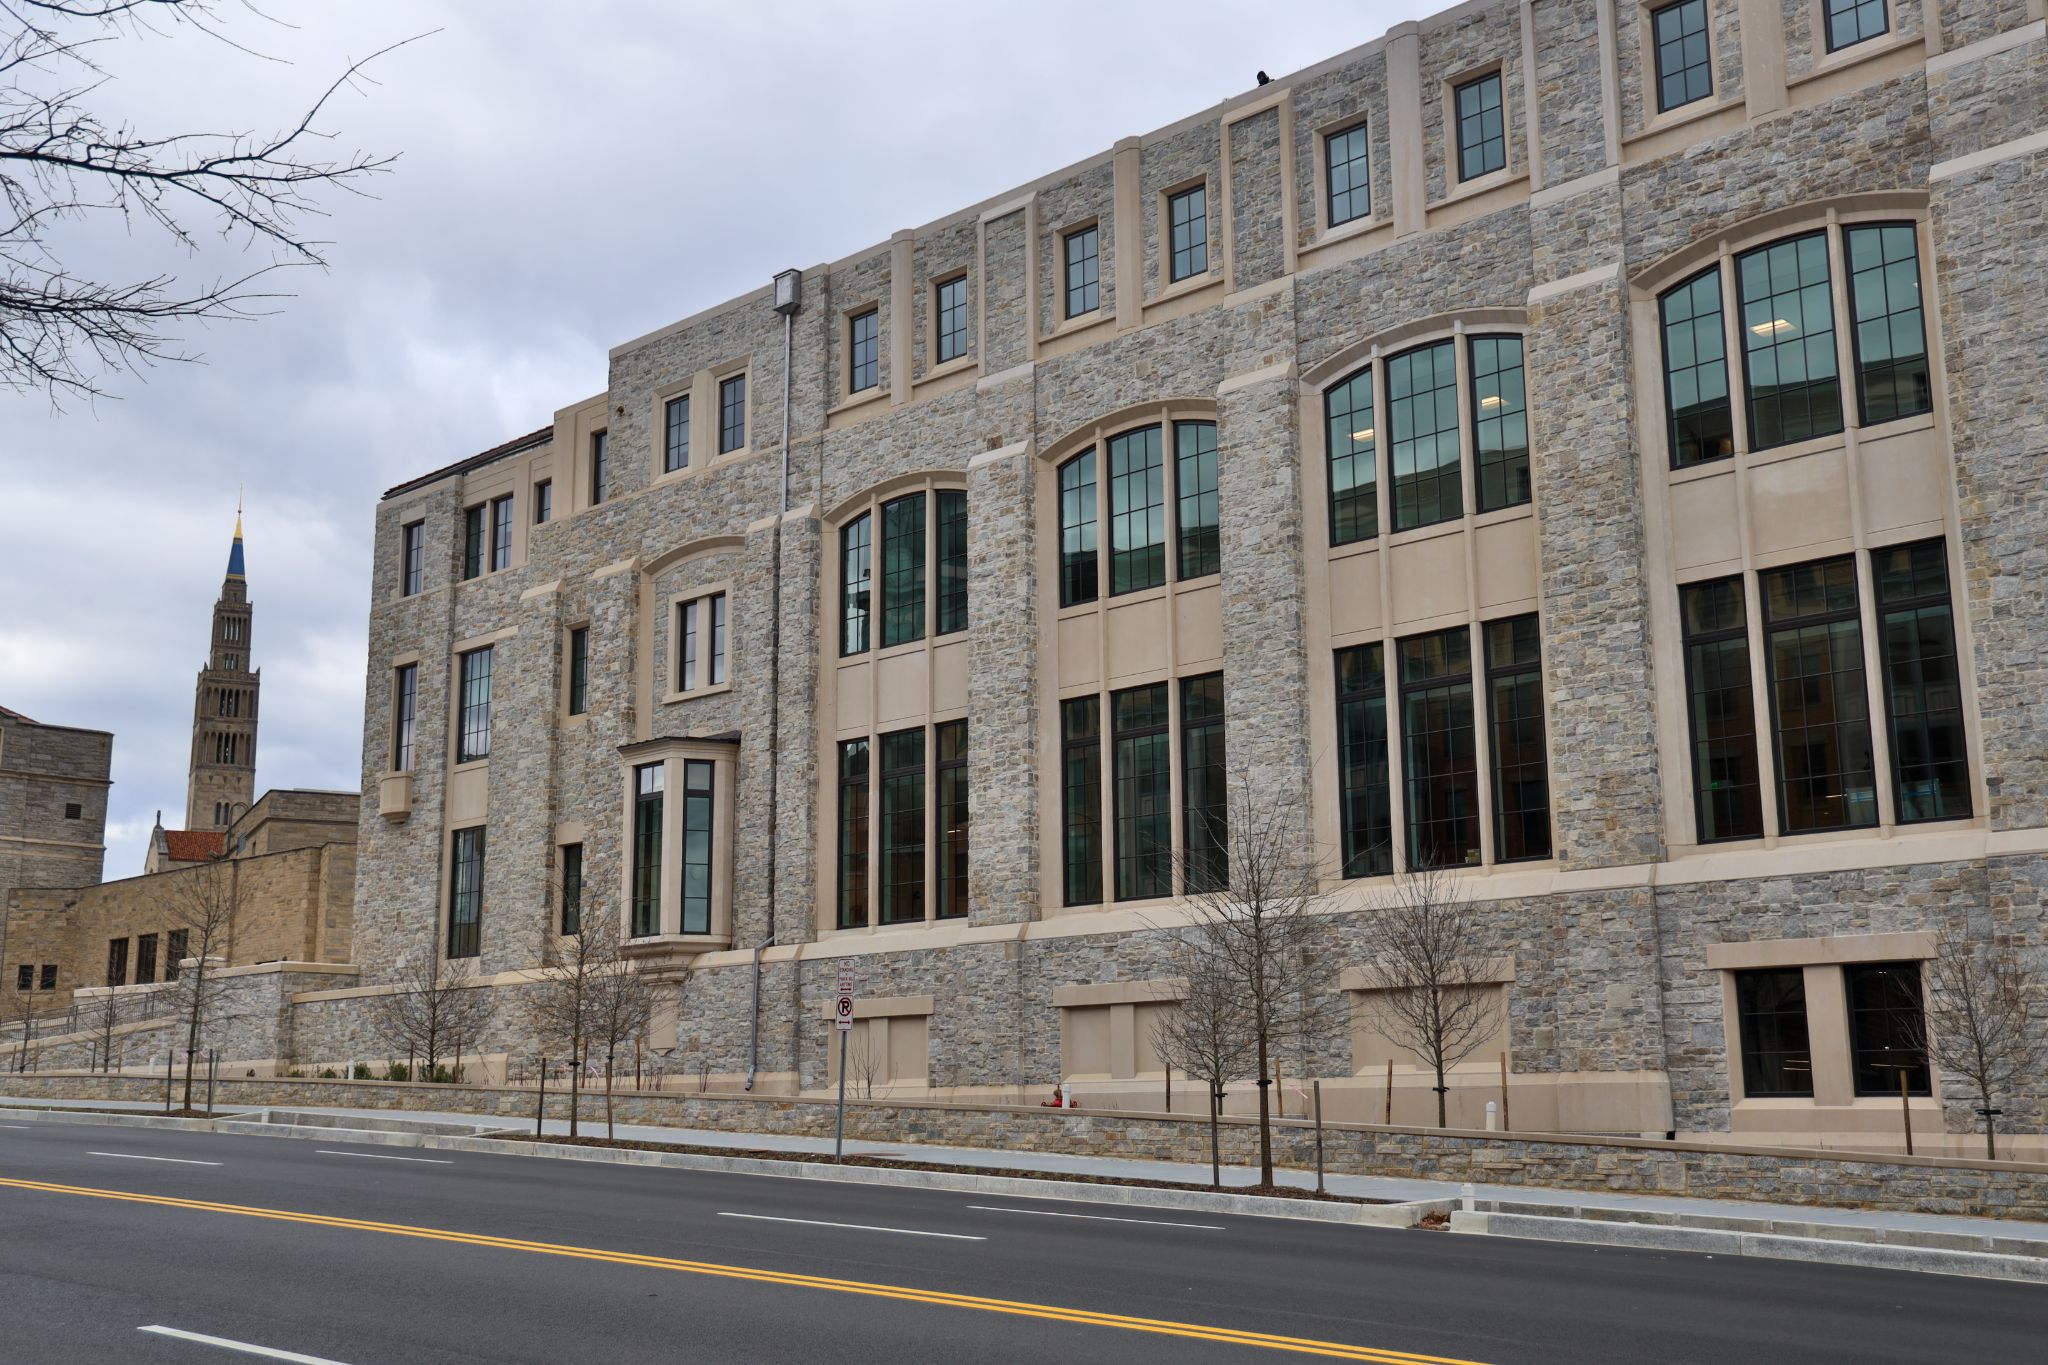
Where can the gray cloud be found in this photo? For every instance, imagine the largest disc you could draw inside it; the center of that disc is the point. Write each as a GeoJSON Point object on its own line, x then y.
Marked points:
{"type": "Point", "coordinates": [571, 176]}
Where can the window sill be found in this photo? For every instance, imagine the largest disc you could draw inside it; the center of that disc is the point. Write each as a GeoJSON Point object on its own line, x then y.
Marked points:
{"type": "Point", "coordinates": [1703, 108]}
{"type": "Point", "coordinates": [1826, 63]}
{"type": "Point", "coordinates": [1177, 288]}
{"type": "Point", "coordinates": [1100, 317]}
{"type": "Point", "coordinates": [1415, 534]}
{"type": "Point", "coordinates": [1344, 232]}
{"type": "Point", "coordinates": [697, 693]}
{"type": "Point", "coordinates": [867, 397]}
{"type": "Point", "coordinates": [1792, 450]}
{"type": "Point", "coordinates": [573, 721]}
{"type": "Point", "coordinates": [956, 365]}
{"type": "Point", "coordinates": [1513, 512]}
{"type": "Point", "coordinates": [669, 476]}
{"type": "Point", "coordinates": [1473, 188]}
{"type": "Point", "coordinates": [470, 765]}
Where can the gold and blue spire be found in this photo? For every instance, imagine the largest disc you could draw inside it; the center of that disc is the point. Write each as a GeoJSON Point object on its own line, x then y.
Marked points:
{"type": "Point", "coordinates": [235, 551]}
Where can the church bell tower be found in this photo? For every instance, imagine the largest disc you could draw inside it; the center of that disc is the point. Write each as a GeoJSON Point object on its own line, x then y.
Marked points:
{"type": "Point", "coordinates": [223, 770]}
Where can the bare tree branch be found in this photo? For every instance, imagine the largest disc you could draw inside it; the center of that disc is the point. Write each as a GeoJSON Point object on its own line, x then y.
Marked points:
{"type": "Point", "coordinates": [202, 906]}
{"type": "Point", "coordinates": [61, 163]}
{"type": "Point", "coordinates": [1428, 979]}
{"type": "Point", "coordinates": [435, 1005]}
{"type": "Point", "coordinates": [1209, 1037]}
{"type": "Point", "coordinates": [1983, 1016]}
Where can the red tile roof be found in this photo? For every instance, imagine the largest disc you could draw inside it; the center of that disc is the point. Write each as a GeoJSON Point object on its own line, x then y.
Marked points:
{"type": "Point", "coordinates": [15, 715]}
{"type": "Point", "coordinates": [517, 443]}
{"type": "Point", "coordinates": [194, 845]}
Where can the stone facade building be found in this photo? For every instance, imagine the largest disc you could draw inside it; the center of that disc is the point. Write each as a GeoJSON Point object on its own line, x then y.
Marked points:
{"type": "Point", "coordinates": [1587, 446]}
{"type": "Point", "coordinates": [53, 830]}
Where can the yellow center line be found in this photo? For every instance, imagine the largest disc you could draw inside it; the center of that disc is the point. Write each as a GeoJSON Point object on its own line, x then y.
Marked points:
{"type": "Point", "coordinates": [1050, 1312]}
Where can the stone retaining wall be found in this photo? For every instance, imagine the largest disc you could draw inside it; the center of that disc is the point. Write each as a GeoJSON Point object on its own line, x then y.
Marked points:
{"type": "Point", "coordinates": [1907, 1184]}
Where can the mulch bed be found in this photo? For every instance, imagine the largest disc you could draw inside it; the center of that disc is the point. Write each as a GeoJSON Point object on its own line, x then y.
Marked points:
{"type": "Point", "coordinates": [900, 1164]}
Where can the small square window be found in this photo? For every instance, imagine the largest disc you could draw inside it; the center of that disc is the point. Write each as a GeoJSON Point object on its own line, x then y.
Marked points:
{"type": "Point", "coordinates": [73, 811]}
{"type": "Point", "coordinates": [1855, 21]}
{"type": "Point", "coordinates": [1482, 131]}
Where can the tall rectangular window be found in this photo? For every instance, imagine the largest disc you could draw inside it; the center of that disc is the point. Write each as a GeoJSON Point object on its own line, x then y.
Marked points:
{"type": "Point", "coordinates": [952, 548]}
{"type": "Point", "coordinates": [864, 350]}
{"type": "Point", "coordinates": [572, 888]}
{"type": "Point", "coordinates": [1081, 800]}
{"type": "Point", "coordinates": [1083, 271]}
{"type": "Point", "coordinates": [1204, 784]}
{"type": "Point", "coordinates": [1770, 1016]}
{"type": "Point", "coordinates": [686, 647]}
{"type": "Point", "coordinates": [902, 831]}
{"type": "Point", "coordinates": [1788, 341]}
{"type": "Point", "coordinates": [501, 532]}
{"type": "Point", "coordinates": [1819, 705]}
{"type": "Point", "coordinates": [648, 783]}
{"type": "Point", "coordinates": [1354, 468]}
{"type": "Point", "coordinates": [543, 502]}
{"type": "Point", "coordinates": [715, 665]}
{"type": "Point", "coordinates": [1885, 1027]}
{"type": "Point", "coordinates": [176, 950]}
{"type": "Point", "coordinates": [952, 327]}
{"type": "Point", "coordinates": [698, 802]}
{"type": "Point", "coordinates": [949, 818]}
{"type": "Point", "coordinates": [405, 693]}
{"type": "Point", "coordinates": [1078, 574]}
{"type": "Point", "coordinates": [48, 978]}
{"type": "Point", "coordinates": [1137, 511]}
{"type": "Point", "coordinates": [600, 467]}
{"type": "Point", "coordinates": [1482, 136]}
{"type": "Point", "coordinates": [145, 959]}
{"type": "Point", "coordinates": [1439, 761]}
{"type": "Point", "coordinates": [473, 536]}
{"type": "Point", "coordinates": [1188, 215]}
{"type": "Point", "coordinates": [1347, 166]}
{"type": "Point", "coordinates": [466, 894]}
{"type": "Point", "coordinates": [1500, 422]}
{"type": "Point", "coordinates": [732, 413]}
{"type": "Point", "coordinates": [1201, 550]}
{"type": "Point", "coordinates": [675, 439]}
{"type": "Point", "coordinates": [1854, 21]}
{"type": "Point", "coordinates": [579, 670]}
{"type": "Point", "coordinates": [1144, 792]}
{"type": "Point", "coordinates": [1890, 330]}
{"type": "Point", "coordinates": [1367, 812]}
{"type": "Point", "coordinates": [1684, 69]}
{"type": "Point", "coordinates": [117, 962]}
{"type": "Point", "coordinates": [856, 582]}
{"type": "Point", "coordinates": [1422, 394]}
{"type": "Point", "coordinates": [1923, 692]}
{"type": "Point", "coordinates": [412, 554]}
{"type": "Point", "coordinates": [853, 834]}
{"type": "Point", "coordinates": [903, 570]}
{"type": "Point", "coordinates": [1521, 772]}
{"type": "Point", "coordinates": [474, 731]}
{"type": "Point", "coordinates": [1720, 710]}
{"type": "Point", "coordinates": [1696, 371]}
{"type": "Point", "coordinates": [25, 977]}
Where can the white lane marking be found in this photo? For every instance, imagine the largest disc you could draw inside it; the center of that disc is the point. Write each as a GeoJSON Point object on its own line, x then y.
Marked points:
{"type": "Point", "coordinates": [24, 1127]}
{"type": "Point", "coordinates": [856, 1227]}
{"type": "Point", "coordinates": [240, 1347]}
{"type": "Point", "coordinates": [1102, 1218]}
{"type": "Point", "coordinates": [174, 1160]}
{"type": "Point", "coordinates": [379, 1156]}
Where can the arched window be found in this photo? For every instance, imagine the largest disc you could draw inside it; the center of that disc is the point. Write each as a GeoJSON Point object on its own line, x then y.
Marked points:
{"type": "Point", "coordinates": [1154, 502]}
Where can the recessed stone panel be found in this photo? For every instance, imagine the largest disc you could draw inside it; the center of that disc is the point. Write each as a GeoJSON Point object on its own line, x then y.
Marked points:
{"type": "Point", "coordinates": [902, 686]}
{"type": "Point", "coordinates": [1798, 502]}
{"type": "Point", "coordinates": [1137, 637]}
{"type": "Point", "coordinates": [1429, 577]}
{"type": "Point", "coordinates": [1507, 561]}
{"type": "Point", "coordinates": [1198, 625]}
{"type": "Point", "coordinates": [1703, 528]}
{"type": "Point", "coordinates": [1355, 594]}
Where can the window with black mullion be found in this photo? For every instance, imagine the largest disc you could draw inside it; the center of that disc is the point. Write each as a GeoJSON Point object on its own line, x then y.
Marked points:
{"type": "Point", "coordinates": [1721, 711]}
{"type": "Point", "coordinates": [949, 817]}
{"type": "Point", "coordinates": [902, 832]}
{"type": "Point", "coordinates": [1144, 792]}
{"type": "Point", "coordinates": [1819, 706]}
{"type": "Point", "coordinates": [1521, 770]}
{"type": "Point", "coordinates": [1923, 688]}
{"type": "Point", "coordinates": [1367, 813]}
{"type": "Point", "coordinates": [1439, 756]}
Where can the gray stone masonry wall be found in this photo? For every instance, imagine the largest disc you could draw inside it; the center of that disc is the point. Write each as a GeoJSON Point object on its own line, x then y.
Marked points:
{"type": "Point", "coordinates": [1605, 979]}
{"type": "Point", "coordinates": [1258, 189]}
{"type": "Point", "coordinates": [43, 769]}
{"type": "Point", "coordinates": [1616, 1165]}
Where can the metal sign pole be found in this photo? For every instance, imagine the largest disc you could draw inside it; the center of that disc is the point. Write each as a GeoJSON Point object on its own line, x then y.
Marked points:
{"type": "Point", "coordinates": [839, 1135]}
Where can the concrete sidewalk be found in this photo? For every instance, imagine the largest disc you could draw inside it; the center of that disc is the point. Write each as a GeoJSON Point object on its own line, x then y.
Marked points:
{"type": "Point", "coordinates": [979, 1158]}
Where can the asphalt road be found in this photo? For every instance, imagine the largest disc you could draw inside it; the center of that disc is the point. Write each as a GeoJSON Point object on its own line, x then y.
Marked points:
{"type": "Point", "coordinates": [619, 1265]}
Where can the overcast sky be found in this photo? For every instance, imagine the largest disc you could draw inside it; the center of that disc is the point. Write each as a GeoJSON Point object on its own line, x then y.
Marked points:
{"type": "Point", "coordinates": [570, 176]}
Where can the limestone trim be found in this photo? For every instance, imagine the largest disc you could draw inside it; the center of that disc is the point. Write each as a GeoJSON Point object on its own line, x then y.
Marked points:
{"type": "Point", "coordinates": [1174, 988]}
{"type": "Point", "coordinates": [1492, 972]}
{"type": "Point", "coordinates": [672, 681]}
{"type": "Point", "coordinates": [1990, 156]}
{"type": "Point", "coordinates": [1327, 374]}
{"type": "Point", "coordinates": [1943, 62]}
{"type": "Point", "coordinates": [1514, 166]}
{"type": "Point", "coordinates": [1659, 275]}
{"type": "Point", "coordinates": [1377, 214]}
{"type": "Point", "coordinates": [886, 1006]}
{"type": "Point", "coordinates": [1809, 952]}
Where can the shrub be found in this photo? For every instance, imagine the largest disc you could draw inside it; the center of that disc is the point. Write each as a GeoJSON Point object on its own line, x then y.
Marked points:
{"type": "Point", "coordinates": [363, 1071]}
{"type": "Point", "coordinates": [397, 1072]}
{"type": "Point", "coordinates": [328, 1073]}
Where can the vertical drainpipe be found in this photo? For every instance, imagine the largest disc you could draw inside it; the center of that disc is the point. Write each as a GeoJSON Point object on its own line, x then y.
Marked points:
{"type": "Point", "coordinates": [788, 293]}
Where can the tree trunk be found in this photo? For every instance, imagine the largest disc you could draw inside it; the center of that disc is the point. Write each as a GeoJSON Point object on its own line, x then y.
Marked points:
{"type": "Point", "coordinates": [192, 1029]}
{"type": "Point", "coordinates": [575, 1087]}
{"type": "Point", "coordinates": [1215, 1141]}
{"type": "Point", "coordinates": [1441, 1092]}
